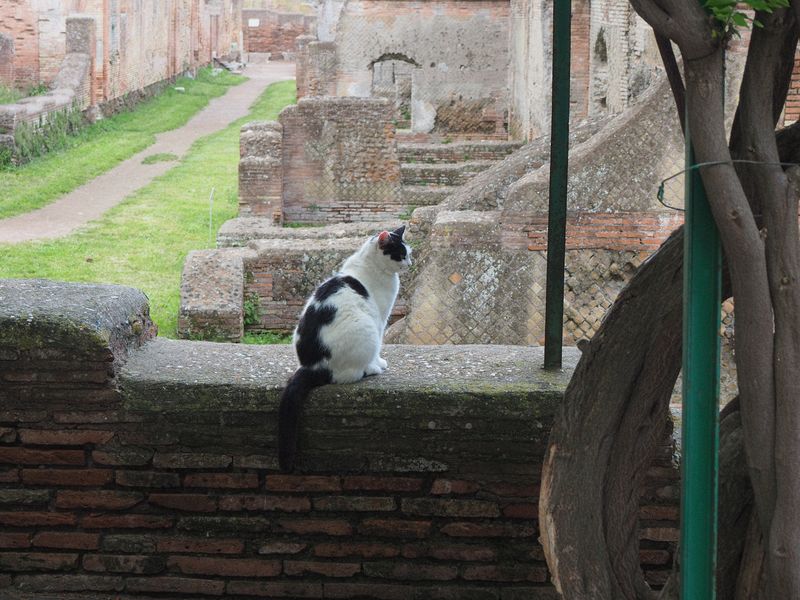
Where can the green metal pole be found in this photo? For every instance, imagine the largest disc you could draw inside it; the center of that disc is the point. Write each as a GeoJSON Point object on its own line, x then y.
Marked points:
{"type": "Point", "coordinates": [701, 322]}
{"type": "Point", "coordinates": [557, 212]}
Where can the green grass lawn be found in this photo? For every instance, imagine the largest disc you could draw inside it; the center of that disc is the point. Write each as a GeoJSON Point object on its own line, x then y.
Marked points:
{"type": "Point", "coordinates": [101, 146]}
{"type": "Point", "coordinates": [143, 241]}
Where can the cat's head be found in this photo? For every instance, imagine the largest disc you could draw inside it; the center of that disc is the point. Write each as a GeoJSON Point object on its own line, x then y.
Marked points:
{"type": "Point", "coordinates": [393, 249]}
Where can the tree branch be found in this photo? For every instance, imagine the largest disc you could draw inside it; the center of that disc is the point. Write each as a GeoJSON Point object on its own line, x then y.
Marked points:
{"type": "Point", "coordinates": [674, 76]}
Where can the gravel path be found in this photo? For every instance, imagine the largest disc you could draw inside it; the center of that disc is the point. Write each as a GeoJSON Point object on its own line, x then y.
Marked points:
{"type": "Point", "coordinates": [91, 200]}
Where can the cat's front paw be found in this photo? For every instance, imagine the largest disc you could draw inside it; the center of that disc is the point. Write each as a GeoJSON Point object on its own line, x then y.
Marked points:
{"type": "Point", "coordinates": [382, 363]}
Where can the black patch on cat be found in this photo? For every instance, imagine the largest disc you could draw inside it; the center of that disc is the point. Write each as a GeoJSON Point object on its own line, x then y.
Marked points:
{"type": "Point", "coordinates": [356, 286]}
{"type": "Point", "coordinates": [334, 284]}
{"type": "Point", "coordinates": [395, 248]}
{"type": "Point", "coordinates": [310, 349]}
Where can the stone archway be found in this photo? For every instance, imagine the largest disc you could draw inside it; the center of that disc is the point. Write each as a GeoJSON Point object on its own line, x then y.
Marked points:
{"type": "Point", "coordinates": [392, 79]}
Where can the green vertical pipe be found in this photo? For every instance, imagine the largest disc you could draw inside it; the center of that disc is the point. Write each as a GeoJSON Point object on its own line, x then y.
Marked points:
{"type": "Point", "coordinates": [557, 211]}
{"type": "Point", "coordinates": [700, 446]}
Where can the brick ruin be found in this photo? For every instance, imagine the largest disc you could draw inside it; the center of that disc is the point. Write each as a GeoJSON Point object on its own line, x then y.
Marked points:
{"type": "Point", "coordinates": [72, 87]}
{"type": "Point", "coordinates": [273, 34]}
{"type": "Point", "coordinates": [105, 53]}
{"type": "Point", "coordinates": [132, 466]}
{"type": "Point", "coordinates": [137, 43]}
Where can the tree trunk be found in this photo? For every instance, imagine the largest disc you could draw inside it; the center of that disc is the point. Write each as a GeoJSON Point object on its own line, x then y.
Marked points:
{"type": "Point", "coordinates": [614, 413]}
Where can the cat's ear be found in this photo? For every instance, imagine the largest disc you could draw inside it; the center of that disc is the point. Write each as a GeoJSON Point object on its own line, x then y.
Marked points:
{"type": "Point", "coordinates": [383, 239]}
{"type": "Point", "coordinates": [399, 231]}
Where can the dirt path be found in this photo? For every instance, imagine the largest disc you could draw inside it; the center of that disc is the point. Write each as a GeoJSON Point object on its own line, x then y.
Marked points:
{"type": "Point", "coordinates": [92, 199]}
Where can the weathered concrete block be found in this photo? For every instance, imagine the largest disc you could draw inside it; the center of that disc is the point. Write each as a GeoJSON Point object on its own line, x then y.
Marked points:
{"type": "Point", "coordinates": [212, 301]}
{"type": "Point", "coordinates": [81, 35]}
{"type": "Point", "coordinates": [85, 322]}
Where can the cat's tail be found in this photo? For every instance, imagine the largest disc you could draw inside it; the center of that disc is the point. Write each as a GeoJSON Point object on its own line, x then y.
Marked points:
{"type": "Point", "coordinates": [297, 390]}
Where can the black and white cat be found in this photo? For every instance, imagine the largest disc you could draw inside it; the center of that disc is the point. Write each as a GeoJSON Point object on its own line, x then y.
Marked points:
{"type": "Point", "coordinates": [338, 338]}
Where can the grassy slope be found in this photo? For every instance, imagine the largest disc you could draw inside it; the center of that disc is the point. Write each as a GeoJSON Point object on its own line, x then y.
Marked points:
{"type": "Point", "coordinates": [144, 241]}
{"type": "Point", "coordinates": [105, 144]}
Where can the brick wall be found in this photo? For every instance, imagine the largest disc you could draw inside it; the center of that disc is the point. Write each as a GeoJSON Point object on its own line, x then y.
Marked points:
{"type": "Point", "coordinates": [261, 170]}
{"type": "Point", "coordinates": [315, 67]}
{"type": "Point", "coordinates": [792, 110]}
{"type": "Point", "coordinates": [580, 62]}
{"type": "Point", "coordinates": [340, 161]}
{"type": "Point", "coordinates": [274, 32]}
{"type": "Point", "coordinates": [459, 50]}
{"type": "Point", "coordinates": [139, 42]}
{"type": "Point", "coordinates": [6, 60]}
{"type": "Point", "coordinates": [283, 273]}
{"type": "Point", "coordinates": [144, 468]}
{"type": "Point", "coordinates": [19, 21]}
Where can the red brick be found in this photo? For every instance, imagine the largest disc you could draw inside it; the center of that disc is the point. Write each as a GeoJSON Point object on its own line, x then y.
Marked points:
{"type": "Point", "coordinates": [69, 583]}
{"type": "Point", "coordinates": [655, 557]}
{"type": "Point", "coordinates": [660, 512]}
{"type": "Point", "coordinates": [37, 561]}
{"type": "Point", "coordinates": [148, 479]}
{"type": "Point", "coordinates": [265, 503]}
{"type": "Point", "coordinates": [521, 511]}
{"type": "Point", "coordinates": [112, 563]}
{"type": "Point", "coordinates": [9, 476]}
{"type": "Point", "coordinates": [282, 589]}
{"type": "Point", "coordinates": [513, 490]}
{"type": "Point", "coordinates": [126, 522]}
{"type": "Point", "coordinates": [324, 526]}
{"type": "Point", "coordinates": [15, 540]}
{"type": "Point", "coordinates": [128, 457]}
{"type": "Point", "coordinates": [354, 503]}
{"type": "Point", "coordinates": [201, 545]}
{"type": "Point", "coordinates": [224, 567]}
{"type": "Point", "coordinates": [380, 591]}
{"type": "Point", "coordinates": [364, 549]}
{"type": "Point", "coordinates": [72, 437]}
{"type": "Point", "coordinates": [660, 534]}
{"type": "Point", "coordinates": [25, 456]}
{"type": "Point", "coordinates": [441, 507]}
{"type": "Point", "coordinates": [492, 530]}
{"type": "Point", "coordinates": [98, 499]}
{"type": "Point", "coordinates": [369, 483]}
{"type": "Point", "coordinates": [67, 477]}
{"type": "Point", "coordinates": [183, 460]}
{"type": "Point", "coordinates": [175, 585]}
{"type": "Point", "coordinates": [282, 548]}
{"type": "Point", "coordinates": [454, 486]}
{"type": "Point", "coordinates": [505, 573]}
{"type": "Point", "coordinates": [303, 483]}
{"type": "Point", "coordinates": [185, 502]}
{"type": "Point", "coordinates": [448, 552]}
{"type": "Point", "coordinates": [221, 480]}
{"type": "Point", "coordinates": [71, 540]}
{"type": "Point", "coordinates": [35, 519]}
{"type": "Point", "coordinates": [328, 569]}
{"type": "Point", "coordinates": [395, 528]}
{"type": "Point", "coordinates": [410, 571]}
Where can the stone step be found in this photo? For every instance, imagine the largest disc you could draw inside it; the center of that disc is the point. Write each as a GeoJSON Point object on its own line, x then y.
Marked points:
{"type": "Point", "coordinates": [456, 152]}
{"type": "Point", "coordinates": [449, 174]}
{"type": "Point", "coordinates": [426, 195]}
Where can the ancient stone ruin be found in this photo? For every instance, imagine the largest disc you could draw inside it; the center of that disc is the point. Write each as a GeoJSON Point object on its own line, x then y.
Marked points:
{"type": "Point", "coordinates": [97, 56]}
{"type": "Point", "coordinates": [136, 467]}
{"type": "Point", "coordinates": [386, 129]}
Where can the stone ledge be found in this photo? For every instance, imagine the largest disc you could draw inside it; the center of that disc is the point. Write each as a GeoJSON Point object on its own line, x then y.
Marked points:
{"type": "Point", "coordinates": [437, 408]}
{"type": "Point", "coordinates": [178, 374]}
{"type": "Point", "coordinates": [86, 319]}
